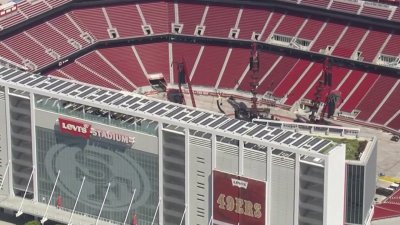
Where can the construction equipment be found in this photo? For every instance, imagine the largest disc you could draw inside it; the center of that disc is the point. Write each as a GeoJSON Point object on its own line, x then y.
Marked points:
{"type": "Point", "coordinates": [254, 64]}
{"type": "Point", "coordinates": [325, 99]}
{"type": "Point", "coordinates": [183, 78]}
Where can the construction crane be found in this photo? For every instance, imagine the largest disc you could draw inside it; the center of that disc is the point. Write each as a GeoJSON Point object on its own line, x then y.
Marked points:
{"type": "Point", "coordinates": [324, 98]}
{"type": "Point", "coordinates": [183, 78]}
{"type": "Point", "coordinates": [241, 110]}
{"type": "Point", "coordinates": [318, 103]}
{"type": "Point", "coordinates": [254, 67]}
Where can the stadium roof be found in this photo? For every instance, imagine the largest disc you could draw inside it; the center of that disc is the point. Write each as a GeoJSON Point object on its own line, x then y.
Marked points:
{"type": "Point", "coordinates": [389, 208]}
{"type": "Point", "coordinates": [166, 112]}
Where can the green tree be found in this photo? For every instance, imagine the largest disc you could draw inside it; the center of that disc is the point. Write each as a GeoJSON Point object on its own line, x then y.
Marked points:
{"type": "Point", "coordinates": [33, 222]}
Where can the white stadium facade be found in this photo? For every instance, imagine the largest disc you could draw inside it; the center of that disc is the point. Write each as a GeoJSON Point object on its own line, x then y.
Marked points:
{"type": "Point", "coordinates": [81, 154]}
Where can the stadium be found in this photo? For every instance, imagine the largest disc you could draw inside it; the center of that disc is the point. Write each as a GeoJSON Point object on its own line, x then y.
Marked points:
{"type": "Point", "coordinates": [103, 120]}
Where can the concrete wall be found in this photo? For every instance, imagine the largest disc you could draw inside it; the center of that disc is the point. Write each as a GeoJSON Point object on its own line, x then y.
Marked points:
{"type": "Point", "coordinates": [174, 176]}
{"type": "Point", "coordinates": [281, 202]}
{"type": "Point", "coordinates": [334, 183]}
{"type": "Point", "coordinates": [255, 164]}
{"type": "Point", "coordinates": [370, 176]}
{"type": "Point", "coordinates": [227, 158]}
{"type": "Point", "coordinates": [200, 177]}
{"type": "Point", "coordinates": [3, 145]}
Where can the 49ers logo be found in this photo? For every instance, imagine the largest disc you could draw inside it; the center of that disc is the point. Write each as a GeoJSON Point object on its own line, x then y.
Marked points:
{"type": "Point", "coordinates": [238, 200]}
{"type": "Point", "coordinates": [240, 206]}
{"type": "Point", "coordinates": [74, 128]}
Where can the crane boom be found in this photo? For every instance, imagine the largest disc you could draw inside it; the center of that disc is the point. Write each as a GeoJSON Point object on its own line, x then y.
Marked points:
{"type": "Point", "coordinates": [181, 67]}
{"type": "Point", "coordinates": [190, 90]}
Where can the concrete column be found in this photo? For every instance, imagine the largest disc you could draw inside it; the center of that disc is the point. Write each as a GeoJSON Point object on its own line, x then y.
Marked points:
{"type": "Point", "coordinates": [160, 174]}
{"type": "Point", "coordinates": [187, 177]}
{"type": "Point", "coordinates": [8, 127]}
{"type": "Point", "coordinates": [34, 155]}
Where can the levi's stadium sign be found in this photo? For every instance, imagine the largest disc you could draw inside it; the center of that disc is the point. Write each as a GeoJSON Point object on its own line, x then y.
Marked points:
{"type": "Point", "coordinates": [238, 200]}
{"type": "Point", "coordinates": [84, 130]}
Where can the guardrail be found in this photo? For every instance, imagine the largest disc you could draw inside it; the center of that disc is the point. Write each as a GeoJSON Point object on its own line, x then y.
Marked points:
{"type": "Point", "coordinates": [310, 128]}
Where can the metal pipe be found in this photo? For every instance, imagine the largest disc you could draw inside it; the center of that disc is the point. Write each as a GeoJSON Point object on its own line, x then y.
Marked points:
{"type": "Point", "coordinates": [102, 205]}
{"type": "Point", "coordinates": [26, 190]}
{"type": "Point", "coordinates": [76, 202]}
{"type": "Point", "coordinates": [183, 216]}
{"type": "Point", "coordinates": [130, 204]}
{"type": "Point", "coordinates": [155, 214]}
{"type": "Point", "coordinates": [44, 219]}
{"type": "Point", "coordinates": [2, 182]}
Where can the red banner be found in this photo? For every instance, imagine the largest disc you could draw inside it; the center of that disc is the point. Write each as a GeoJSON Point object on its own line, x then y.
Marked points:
{"type": "Point", "coordinates": [74, 128]}
{"type": "Point", "coordinates": [238, 200]}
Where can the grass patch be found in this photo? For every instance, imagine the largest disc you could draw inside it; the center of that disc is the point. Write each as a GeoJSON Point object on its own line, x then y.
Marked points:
{"type": "Point", "coordinates": [33, 222]}
{"type": "Point", "coordinates": [354, 147]}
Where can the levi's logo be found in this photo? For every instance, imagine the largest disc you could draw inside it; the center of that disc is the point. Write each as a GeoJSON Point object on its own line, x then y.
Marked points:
{"type": "Point", "coordinates": [74, 128]}
{"type": "Point", "coordinates": [239, 183]}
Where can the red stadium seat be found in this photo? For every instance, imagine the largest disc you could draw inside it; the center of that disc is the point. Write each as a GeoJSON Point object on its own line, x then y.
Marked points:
{"type": "Point", "coordinates": [223, 67]}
